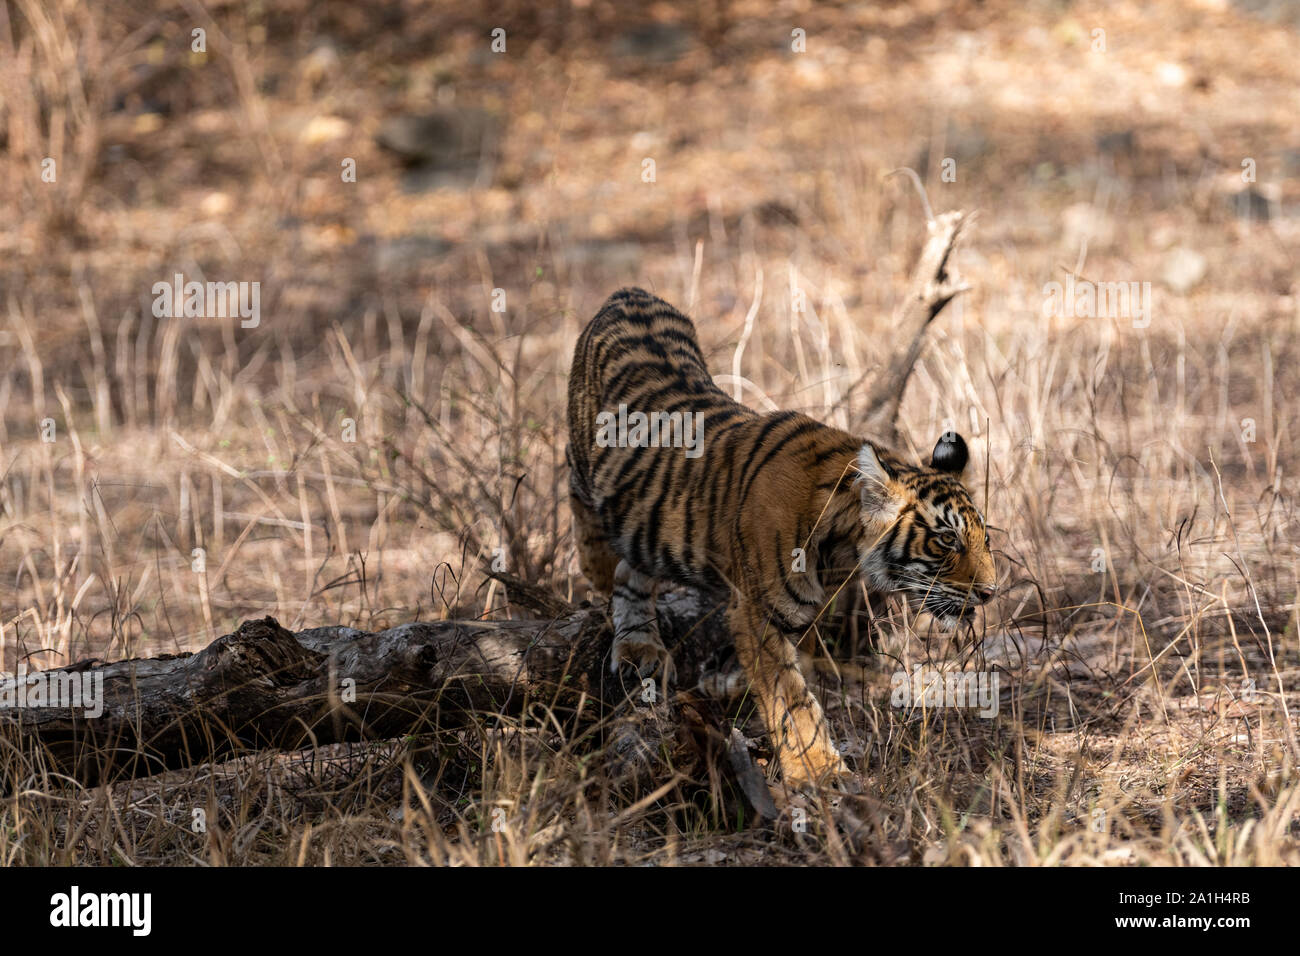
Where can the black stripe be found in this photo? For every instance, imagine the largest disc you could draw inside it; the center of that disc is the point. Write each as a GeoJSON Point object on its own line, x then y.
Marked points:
{"type": "Point", "coordinates": [824, 456]}
{"type": "Point", "coordinates": [799, 598]}
{"type": "Point", "coordinates": [803, 428]}
{"type": "Point", "coordinates": [615, 384]}
{"type": "Point", "coordinates": [773, 422]}
{"type": "Point", "coordinates": [782, 623]}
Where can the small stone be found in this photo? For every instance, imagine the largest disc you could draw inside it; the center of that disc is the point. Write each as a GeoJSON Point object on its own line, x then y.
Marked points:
{"type": "Point", "coordinates": [215, 204]}
{"type": "Point", "coordinates": [1085, 222]}
{"type": "Point", "coordinates": [322, 129]}
{"type": "Point", "coordinates": [1183, 268]}
{"type": "Point", "coordinates": [445, 147]}
{"type": "Point", "coordinates": [651, 43]}
{"type": "Point", "coordinates": [1117, 143]}
{"type": "Point", "coordinates": [1171, 74]}
{"type": "Point", "coordinates": [320, 63]}
{"type": "Point", "coordinates": [1251, 204]}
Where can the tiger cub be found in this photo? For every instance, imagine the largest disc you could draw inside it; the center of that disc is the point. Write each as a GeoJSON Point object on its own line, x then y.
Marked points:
{"type": "Point", "coordinates": [671, 479]}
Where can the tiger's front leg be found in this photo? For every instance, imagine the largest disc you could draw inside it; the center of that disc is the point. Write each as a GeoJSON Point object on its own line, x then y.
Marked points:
{"type": "Point", "coordinates": [636, 625]}
{"type": "Point", "coordinates": [792, 715]}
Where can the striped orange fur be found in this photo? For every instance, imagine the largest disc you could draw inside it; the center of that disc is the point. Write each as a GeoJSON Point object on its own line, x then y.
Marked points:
{"type": "Point", "coordinates": [670, 479]}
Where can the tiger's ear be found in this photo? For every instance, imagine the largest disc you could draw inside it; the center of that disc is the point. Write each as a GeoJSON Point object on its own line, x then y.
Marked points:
{"type": "Point", "coordinates": [875, 477]}
{"type": "Point", "coordinates": [950, 454]}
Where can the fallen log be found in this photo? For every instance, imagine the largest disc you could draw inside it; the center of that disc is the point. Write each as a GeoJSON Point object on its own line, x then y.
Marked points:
{"type": "Point", "coordinates": [266, 687]}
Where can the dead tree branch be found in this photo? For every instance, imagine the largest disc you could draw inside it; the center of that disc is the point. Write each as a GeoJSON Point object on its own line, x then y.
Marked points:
{"type": "Point", "coordinates": [933, 285]}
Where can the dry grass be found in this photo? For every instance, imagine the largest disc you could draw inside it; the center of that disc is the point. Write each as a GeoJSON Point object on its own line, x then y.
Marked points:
{"type": "Point", "coordinates": [1147, 550]}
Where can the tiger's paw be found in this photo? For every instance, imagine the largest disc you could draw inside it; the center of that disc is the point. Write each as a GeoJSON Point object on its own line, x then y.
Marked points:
{"type": "Point", "coordinates": [822, 769]}
{"type": "Point", "coordinates": [644, 651]}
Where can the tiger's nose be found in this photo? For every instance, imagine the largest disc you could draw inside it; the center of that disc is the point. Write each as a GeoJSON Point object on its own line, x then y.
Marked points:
{"type": "Point", "coordinates": [984, 592]}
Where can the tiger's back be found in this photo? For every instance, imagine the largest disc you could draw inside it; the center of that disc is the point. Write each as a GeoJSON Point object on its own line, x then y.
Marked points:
{"type": "Point", "coordinates": [672, 511]}
{"type": "Point", "coordinates": [642, 355]}
{"type": "Point", "coordinates": [637, 349]}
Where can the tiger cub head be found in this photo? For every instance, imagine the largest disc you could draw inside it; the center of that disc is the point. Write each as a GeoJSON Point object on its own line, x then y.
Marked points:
{"type": "Point", "coordinates": [924, 535]}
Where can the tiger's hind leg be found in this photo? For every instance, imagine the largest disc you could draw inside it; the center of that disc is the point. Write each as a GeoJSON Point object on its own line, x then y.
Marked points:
{"type": "Point", "coordinates": [636, 626]}
{"type": "Point", "coordinates": [595, 556]}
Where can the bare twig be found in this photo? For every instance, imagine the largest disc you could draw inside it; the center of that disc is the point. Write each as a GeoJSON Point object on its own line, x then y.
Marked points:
{"type": "Point", "coordinates": [934, 284]}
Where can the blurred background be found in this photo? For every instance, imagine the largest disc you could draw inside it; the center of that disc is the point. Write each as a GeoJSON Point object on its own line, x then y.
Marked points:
{"type": "Point", "coordinates": [434, 197]}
